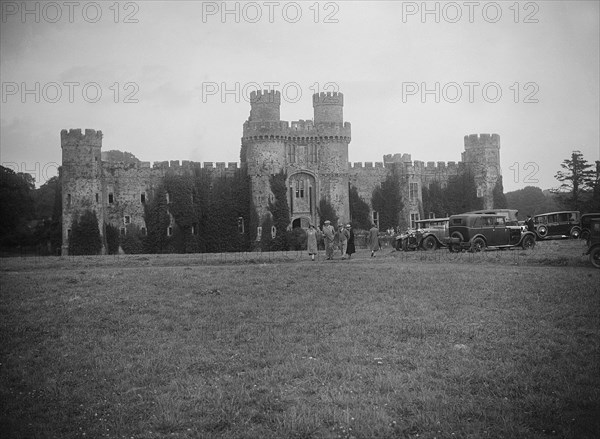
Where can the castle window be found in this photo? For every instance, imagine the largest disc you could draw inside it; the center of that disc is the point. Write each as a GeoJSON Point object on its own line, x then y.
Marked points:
{"type": "Point", "coordinates": [68, 199]}
{"type": "Point", "coordinates": [241, 225]}
{"type": "Point", "coordinates": [301, 188]}
{"type": "Point", "coordinates": [312, 153]}
{"type": "Point", "coordinates": [479, 192]}
{"type": "Point", "coordinates": [375, 218]}
{"type": "Point", "coordinates": [414, 217]}
{"type": "Point", "coordinates": [97, 198]}
{"type": "Point", "coordinates": [258, 232]}
{"type": "Point", "coordinates": [169, 231]}
{"type": "Point", "coordinates": [194, 229]}
{"type": "Point", "coordinates": [69, 233]}
{"type": "Point", "coordinates": [123, 231]}
{"type": "Point", "coordinates": [143, 198]}
{"type": "Point", "coordinates": [111, 198]}
{"type": "Point", "coordinates": [291, 153]}
{"type": "Point", "coordinates": [127, 219]}
{"type": "Point", "coordinates": [143, 231]}
{"type": "Point", "coordinates": [413, 191]}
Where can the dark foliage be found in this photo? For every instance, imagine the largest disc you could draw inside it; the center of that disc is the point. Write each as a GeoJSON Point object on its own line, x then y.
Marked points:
{"type": "Point", "coordinates": [531, 201]}
{"type": "Point", "coordinates": [17, 206]}
{"type": "Point", "coordinates": [387, 201]}
{"type": "Point", "coordinates": [280, 211]}
{"type": "Point", "coordinates": [112, 239]}
{"type": "Point", "coordinates": [85, 235]}
{"type": "Point", "coordinates": [498, 194]}
{"type": "Point", "coordinates": [326, 212]}
{"type": "Point", "coordinates": [433, 200]}
{"type": "Point", "coordinates": [461, 194]}
{"type": "Point", "coordinates": [359, 210]}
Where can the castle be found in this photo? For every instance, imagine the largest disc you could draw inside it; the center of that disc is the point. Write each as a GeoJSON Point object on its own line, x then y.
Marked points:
{"type": "Point", "coordinates": [312, 153]}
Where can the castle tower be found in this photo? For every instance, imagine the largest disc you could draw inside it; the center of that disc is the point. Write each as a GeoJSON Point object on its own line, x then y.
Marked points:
{"type": "Point", "coordinates": [265, 106]}
{"type": "Point", "coordinates": [334, 137]}
{"type": "Point", "coordinates": [482, 157]}
{"type": "Point", "coordinates": [263, 146]}
{"type": "Point", "coordinates": [328, 107]}
{"type": "Point", "coordinates": [81, 175]}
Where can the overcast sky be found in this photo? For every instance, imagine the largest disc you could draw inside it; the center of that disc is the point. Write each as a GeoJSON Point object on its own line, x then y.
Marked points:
{"type": "Point", "coordinates": [173, 77]}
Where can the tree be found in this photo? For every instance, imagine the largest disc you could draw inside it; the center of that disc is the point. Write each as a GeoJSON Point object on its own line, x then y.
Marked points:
{"type": "Point", "coordinates": [530, 200]}
{"type": "Point", "coordinates": [461, 194]}
{"type": "Point", "coordinates": [16, 205]}
{"type": "Point", "coordinates": [575, 179]}
{"type": "Point", "coordinates": [387, 201]}
{"type": "Point", "coordinates": [326, 212]}
{"type": "Point", "coordinates": [433, 200]}
{"type": "Point", "coordinates": [498, 195]}
{"type": "Point", "coordinates": [359, 210]}
{"type": "Point", "coordinates": [85, 235]}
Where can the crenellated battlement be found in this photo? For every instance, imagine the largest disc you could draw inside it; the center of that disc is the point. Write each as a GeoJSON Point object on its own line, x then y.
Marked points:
{"type": "Point", "coordinates": [282, 130]}
{"type": "Point", "coordinates": [265, 97]}
{"type": "Point", "coordinates": [189, 165]}
{"type": "Point", "coordinates": [74, 137]}
{"type": "Point", "coordinates": [482, 141]}
{"type": "Point", "coordinates": [328, 98]}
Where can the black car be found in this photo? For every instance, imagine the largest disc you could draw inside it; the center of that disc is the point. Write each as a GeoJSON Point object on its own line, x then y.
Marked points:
{"type": "Point", "coordinates": [594, 242]}
{"type": "Point", "coordinates": [564, 224]}
{"type": "Point", "coordinates": [584, 224]}
{"type": "Point", "coordinates": [475, 232]}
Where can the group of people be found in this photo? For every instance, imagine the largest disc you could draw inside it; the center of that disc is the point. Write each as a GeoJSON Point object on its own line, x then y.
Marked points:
{"type": "Point", "coordinates": [344, 237]}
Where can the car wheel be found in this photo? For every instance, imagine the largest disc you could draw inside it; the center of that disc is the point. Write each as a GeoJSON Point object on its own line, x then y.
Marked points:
{"type": "Point", "coordinates": [575, 232]}
{"type": "Point", "coordinates": [542, 231]}
{"type": "Point", "coordinates": [528, 242]}
{"type": "Point", "coordinates": [429, 243]}
{"type": "Point", "coordinates": [585, 235]}
{"type": "Point", "coordinates": [595, 256]}
{"type": "Point", "coordinates": [478, 244]}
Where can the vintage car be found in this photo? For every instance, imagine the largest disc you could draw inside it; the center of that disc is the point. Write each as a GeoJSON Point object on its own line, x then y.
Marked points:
{"type": "Point", "coordinates": [509, 214]}
{"type": "Point", "coordinates": [594, 242]}
{"type": "Point", "coordinates": [428, 234]}
{"type": "Point", "coordinates": [553, 225]}
{"type": "Point", "coordinates": [584, 224]}
{"type": "Point", "coordinates": [478, 231]}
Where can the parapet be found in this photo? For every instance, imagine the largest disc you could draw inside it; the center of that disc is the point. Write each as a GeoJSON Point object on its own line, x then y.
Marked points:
{"type": "Point", "coordinates": [265, 97]}
{"type": "Point", "coordinates": [264, 130]}
{"type": "Point", "coordinates": [482, 140]}
{"type": "Point", "coordinates": [329, 98]}
{"type": "Point", "coordinates": [74, 137]}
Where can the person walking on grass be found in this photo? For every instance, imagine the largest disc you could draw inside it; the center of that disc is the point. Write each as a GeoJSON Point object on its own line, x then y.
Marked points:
{"type": "Point", "coordinates": [329, 237]}
{"type": "Point", "coordinates": [311, 241]}
{"type": "Point", "coordinates": [350, 249]}
{"type": "Point", "coordinates": [374, 243]}
{"type": "Point", "coordinates": [343, 240]}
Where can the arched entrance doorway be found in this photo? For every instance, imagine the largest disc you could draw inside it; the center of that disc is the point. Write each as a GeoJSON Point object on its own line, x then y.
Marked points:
{"type": "Point", "coordinates": [302, 199]}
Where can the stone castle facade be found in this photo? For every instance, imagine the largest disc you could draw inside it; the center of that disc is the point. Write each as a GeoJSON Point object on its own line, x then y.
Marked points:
{"type": "Point", "coordinates": [312, 153]}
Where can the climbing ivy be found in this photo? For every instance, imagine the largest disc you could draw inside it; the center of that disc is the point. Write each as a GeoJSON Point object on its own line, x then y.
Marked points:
{"type": "Point", "coordinates": [280, 211]}
{"type": "Point", "coordinates": [205, 213]}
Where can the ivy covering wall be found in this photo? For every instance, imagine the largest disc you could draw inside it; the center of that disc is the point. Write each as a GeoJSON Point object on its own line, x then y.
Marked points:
{"type": "Point", "coordinates": [197, 213]}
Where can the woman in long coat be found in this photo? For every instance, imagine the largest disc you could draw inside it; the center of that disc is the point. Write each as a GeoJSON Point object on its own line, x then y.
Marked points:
{"type": "Point", "coordinates": [311, 241]}
{"type": "Point", "coordinates": [351, 247]}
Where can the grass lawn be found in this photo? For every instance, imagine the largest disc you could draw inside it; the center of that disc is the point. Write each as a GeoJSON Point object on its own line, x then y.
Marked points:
{"type": "Point", "coordinates": [423, 344]}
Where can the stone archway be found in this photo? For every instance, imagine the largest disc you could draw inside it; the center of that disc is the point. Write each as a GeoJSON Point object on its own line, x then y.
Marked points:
{"type": "Point", "coordinates": [302, 198]}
